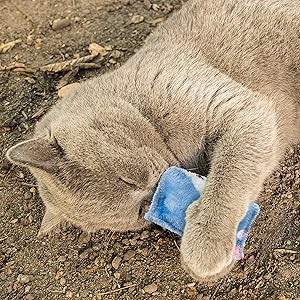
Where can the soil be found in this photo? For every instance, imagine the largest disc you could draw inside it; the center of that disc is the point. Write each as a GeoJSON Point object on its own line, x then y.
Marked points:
{"type": "Point", "coordinates": [108, 265]}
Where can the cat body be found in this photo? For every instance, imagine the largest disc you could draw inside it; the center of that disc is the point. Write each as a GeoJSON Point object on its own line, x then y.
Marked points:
{"type": "Point", "coordinates": [216, 89]}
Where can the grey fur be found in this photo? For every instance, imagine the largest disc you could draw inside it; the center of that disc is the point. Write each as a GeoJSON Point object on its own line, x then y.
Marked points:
{"type": "Point", "coordinates": [216, 85]}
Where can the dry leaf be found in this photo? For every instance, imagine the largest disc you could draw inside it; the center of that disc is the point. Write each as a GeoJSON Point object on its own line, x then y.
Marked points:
{"type": "Point", "coordinates": [80, 62]}
{"type": "Point", "coordinates": [95, 48]}
{"type": "Point", "coordinates": [68, 64]}
{"type": "Point", "coordinates": [16, 66]}
{"type": "Point", "coordinates": [8, 46]}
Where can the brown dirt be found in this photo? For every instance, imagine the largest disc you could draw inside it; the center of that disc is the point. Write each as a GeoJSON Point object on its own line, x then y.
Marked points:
{"type": "Point", "coordinates": [73, 265]}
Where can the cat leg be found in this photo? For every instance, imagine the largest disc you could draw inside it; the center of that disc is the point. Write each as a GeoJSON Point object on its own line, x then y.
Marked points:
{"type": "Point", "coordinates": [244, 156]}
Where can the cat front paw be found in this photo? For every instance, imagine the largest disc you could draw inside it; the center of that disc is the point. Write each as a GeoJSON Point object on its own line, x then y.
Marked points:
{"type": "Point", "coordinates": [208, 244]}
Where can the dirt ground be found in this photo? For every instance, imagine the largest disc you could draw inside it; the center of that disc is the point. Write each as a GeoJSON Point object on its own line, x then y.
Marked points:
{"type": "Point", "coordinates": [107, 265]}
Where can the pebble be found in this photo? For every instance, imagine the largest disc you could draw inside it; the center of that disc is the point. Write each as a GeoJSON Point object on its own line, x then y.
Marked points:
{"type": "Point", "coordinates": [85, 253]}
{"type": "Point", "coordinates": [147, 4]}
{"type": "Point", "coordinates": [145, 234]}
{"type": "Point", "coordinates": [61, 258]}
{"type": "Point", "coordinates": [137, 19]}
{"type": "Point", "coordinates": [62, 281]}
{"type": "Point", "coordinates": [116, 54]}
{"type": "Point", "coordinates": [145, 251]}
{"type": "Point", "coordinates": [150, 288]}
{"type": "Point", "coordinates": [59, 24]}
{"type": "Point", "coordinates": [129, 254]}
{"type": "Point", "coordinates": [100, 262]}
{"type": "Point", "coordinates": [69, 294]}
{"type": "Point", "coordinates": [27, 195]}
{"type": "Point", "coordinates": [192, 291]}
{"type": "Point", "coordinates": [117, 275]}
{"type": "Point", "coordinates": [27, 288]}
{"type": "Point", "coordinates": [59, 274]}
{"type": "Point", "coordinates": [29, 297]}
{"type": "Point", "coordinates": [84, 237]}
{"type": "Point", "coordinates": [133, 242]}
{"type": "Point", "coordinates": [155, 7]}
{"type": "Point", "coordinates": [116, 262]}
{"type": "Point", "coordinates": [23, 278]}
{"type": "Point", "coordinates": [96, 247]}
{"type": "Point", "coordinates": [232, 292]}
{"type": "Point", "coordinates": [63, 92]}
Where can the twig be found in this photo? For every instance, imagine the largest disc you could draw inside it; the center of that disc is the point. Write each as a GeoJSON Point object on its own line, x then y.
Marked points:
{"type": "Point", "coordinates": [176, 245]}
{"type": "Point", "coordinates": [286, 251]}
{"type": "Point", "coordinates": [24, 14]}
{"type": "Point", "coordinates": [116, 290]}
{"type": "Point", "coordinates": [29, 184]}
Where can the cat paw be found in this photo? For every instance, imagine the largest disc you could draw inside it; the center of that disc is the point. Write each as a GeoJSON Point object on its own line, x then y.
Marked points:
{"type": "Point", "coordinates": [208, 245]}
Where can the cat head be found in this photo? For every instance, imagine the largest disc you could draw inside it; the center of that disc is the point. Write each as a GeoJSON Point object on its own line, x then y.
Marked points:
{"type": "Point", "coordinates": [96, 164]}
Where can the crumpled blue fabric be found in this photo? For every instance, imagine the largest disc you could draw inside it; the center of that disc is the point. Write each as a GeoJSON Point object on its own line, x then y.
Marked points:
{"type": "Point", "coordinates": [176, 190]}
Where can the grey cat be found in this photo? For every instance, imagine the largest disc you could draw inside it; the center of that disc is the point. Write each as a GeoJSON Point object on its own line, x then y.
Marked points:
{"type": "Point", "coordinates": [216, 89]}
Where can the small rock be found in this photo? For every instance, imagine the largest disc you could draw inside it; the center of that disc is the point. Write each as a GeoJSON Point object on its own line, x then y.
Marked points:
{"type": "Point", "coordinates": [192, 291]}
{"type": "Point", "coordinates": [292, 257]}
{"type": "Point", "coordinates": [62, 281]}
{"type": "Point", "coordinates": [85, 253]}
{"type": "Point", "coordinates": [133, 242]}
{"type": "Point", "coordinates": [69, 294]}
{"type": "Point", "coordinates": [59, 274]}
{"type": "Point", "coordinates": [27, 195]}
{"type": "Point", "coordinates": [112, 61]}
{"type": "Point", "coordinates": [147, 4]}
{"type": "Point", "coordinates": [150, 288]}
{"type": "Point", "coordinates": [32, 190]}
{"type": "Point", "coordinates": [137, 19]}
{"type": "Point", "coordinates": [27, 289]}
{"type": "Point", "coordinates": [38, 43]}
{"type": "Point", "coordinates": [59, 24]}
{"type": "Point", "coordinates": [61, 258]}
{"type": "Point", "coordinates": [84, 237]}
{"type": "Point", "coordinates": [282, 297]}
{"type": "Point", "coordinates": [116, 262]}
{"type": "Point", "coordinates": [96, 247]}
{"type": "Point", "coordinates": [145, 251]}
{"type": "Point", "coordinates": [23, 278]}
{"type": "Point", "coordinates": [155, 7]}
{"type": "Point", "coordinates": [129, 254]}
{"type": "Point", "coordinates": [95, 48]}
{"type": "Point", "coordinates": [116, 54]}
{"type": "Point", "coordinates": [30, 219]}
{"type": "Point", "coordinates": [100, 262]}
{"type": "Point", "coordinates": [117, 275]}
{"type": "Point", "coordinates": [29, 297]}
{"type": "Point", "coordinates": [232, 292]}
{"type": "Point", "coordinates": [63, 92]}
{"type": "Point", "coordinates": [144, 235]}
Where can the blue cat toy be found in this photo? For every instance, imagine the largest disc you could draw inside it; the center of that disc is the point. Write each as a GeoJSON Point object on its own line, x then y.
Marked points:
{"type": "Point", "coordinates": [176, 190]}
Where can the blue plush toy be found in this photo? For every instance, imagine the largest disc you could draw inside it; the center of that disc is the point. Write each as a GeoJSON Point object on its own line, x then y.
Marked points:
{"type": "Point", "coordinates": [176, 190]}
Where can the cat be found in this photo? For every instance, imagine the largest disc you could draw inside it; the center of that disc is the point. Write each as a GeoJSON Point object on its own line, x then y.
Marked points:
{"type": "Point", "coordinates": [215, 89]}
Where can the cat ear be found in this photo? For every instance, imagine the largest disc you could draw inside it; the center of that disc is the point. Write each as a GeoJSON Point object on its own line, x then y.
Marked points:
{"type": "Point", "coordinates": [38, 153]}
{"type": "Point", "coordinates": [50, 222]}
